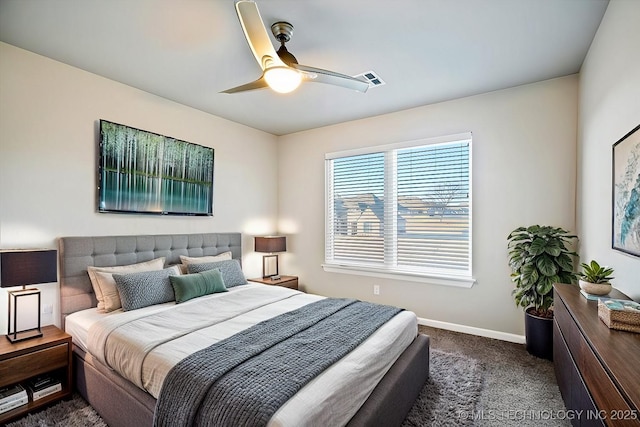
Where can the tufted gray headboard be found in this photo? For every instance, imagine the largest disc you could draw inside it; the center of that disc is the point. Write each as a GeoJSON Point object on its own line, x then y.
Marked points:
{"type": "Point", "coordinates": [78, 253]}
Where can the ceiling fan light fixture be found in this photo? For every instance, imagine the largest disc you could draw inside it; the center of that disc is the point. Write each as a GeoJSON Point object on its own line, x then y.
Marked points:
{"type": "Point", "coordinates": [282, 79]}
{"type": "Point", "coordinates": [281, 70]}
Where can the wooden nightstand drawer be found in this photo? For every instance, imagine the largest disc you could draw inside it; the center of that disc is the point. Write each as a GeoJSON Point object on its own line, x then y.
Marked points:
{"type": "Point", "coordinates": [284, 281]}
{"type": "Point", "coordinates": [17, 368]}
{"type": "Point", "coordinates": [292, 283]}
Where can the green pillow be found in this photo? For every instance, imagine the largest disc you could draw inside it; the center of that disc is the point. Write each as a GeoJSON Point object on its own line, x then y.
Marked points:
{"type": "Point", "coordinates": [196, 285]}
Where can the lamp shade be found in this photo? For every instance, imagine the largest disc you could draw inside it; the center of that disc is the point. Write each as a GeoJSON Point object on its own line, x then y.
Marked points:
{"type": "Point", "coordinates": [271, 244]}
{"type": "Point", "coordinates": [28, 267]}
{"type": "Point", "coordinates": [20, 268]}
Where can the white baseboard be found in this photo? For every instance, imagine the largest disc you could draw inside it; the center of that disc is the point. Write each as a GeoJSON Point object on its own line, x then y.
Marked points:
{"type": "Point", "coordinates": [488, 333]}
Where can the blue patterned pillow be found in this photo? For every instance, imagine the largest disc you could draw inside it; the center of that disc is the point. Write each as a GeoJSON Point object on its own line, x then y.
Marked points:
{"type": "Point", "coordinates": [146, 288]}
{"type": "Point", "coordinates": [231, 271]}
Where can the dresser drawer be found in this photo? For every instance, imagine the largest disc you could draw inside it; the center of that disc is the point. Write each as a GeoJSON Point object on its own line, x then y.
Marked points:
{"type": "Point", "coordinates": [574, 392]}
{"type": "Point", "coordinates": [38, 362]}
{"type": "Point", "coordinates": [604, 392]}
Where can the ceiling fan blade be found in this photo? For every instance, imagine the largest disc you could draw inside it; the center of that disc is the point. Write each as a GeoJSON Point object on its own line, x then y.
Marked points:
{"type": "Point", "coordinates": [332, 78]}
{"type": "Point", "coordinates": [257, 35]}
{"type": "Point", "coordinates": [258, 84]}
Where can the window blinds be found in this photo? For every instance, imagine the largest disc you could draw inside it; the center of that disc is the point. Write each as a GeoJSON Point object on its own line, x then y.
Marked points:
{"type": "Point", "coordinates": [404, 208]}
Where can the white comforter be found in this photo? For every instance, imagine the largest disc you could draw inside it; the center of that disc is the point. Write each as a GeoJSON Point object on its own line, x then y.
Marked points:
{"type": "Point", "coordinates": [143, 345]}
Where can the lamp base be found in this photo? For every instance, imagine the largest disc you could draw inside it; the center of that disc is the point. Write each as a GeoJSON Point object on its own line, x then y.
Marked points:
{"type": "Point", "coordinates": [269, 265]}
{"type": "Point", "coordinates": [23, 315]}
{"type": "Point", "coordinates": [24, 335]}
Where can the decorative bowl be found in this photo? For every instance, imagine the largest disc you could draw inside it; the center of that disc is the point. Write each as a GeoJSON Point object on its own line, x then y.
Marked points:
{"type": "Point", "coordinates": [595, 288]}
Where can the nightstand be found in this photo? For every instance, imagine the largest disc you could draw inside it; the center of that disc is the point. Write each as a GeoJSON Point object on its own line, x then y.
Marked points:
{"type": "Point", "coordinates": [284, 281]}
{"type": "Point", "coordinates": [20, 361]}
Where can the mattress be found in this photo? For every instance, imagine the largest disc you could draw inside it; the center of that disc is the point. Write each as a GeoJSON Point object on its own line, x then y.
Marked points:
{"type": "Point", "coordinates": [343, 387]}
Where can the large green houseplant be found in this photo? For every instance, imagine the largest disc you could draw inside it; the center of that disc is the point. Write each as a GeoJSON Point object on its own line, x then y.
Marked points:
{"type": "Point", "coordinates": [539, 257]}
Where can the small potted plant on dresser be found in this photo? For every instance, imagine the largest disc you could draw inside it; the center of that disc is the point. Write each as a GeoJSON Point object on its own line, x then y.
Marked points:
{"type": "Point", "coordinates": [539, 257]}
{"type": "Point", "coordinates": [594, 279]}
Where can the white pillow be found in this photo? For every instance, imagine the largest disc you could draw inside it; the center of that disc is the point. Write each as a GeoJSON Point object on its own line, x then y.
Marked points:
{"type": "Point", "coordinates": [104, 285]}
{"type": "Point", "coordinates": [203, 259]}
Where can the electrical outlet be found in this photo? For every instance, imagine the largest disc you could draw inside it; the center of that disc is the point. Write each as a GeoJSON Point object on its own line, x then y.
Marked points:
{"type": "Point", "coordinates": [376, 289]}
{"type": "Point", "coordinates": [47, 309]}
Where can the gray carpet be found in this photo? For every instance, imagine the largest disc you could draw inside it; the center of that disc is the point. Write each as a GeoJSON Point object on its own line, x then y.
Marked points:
{"type": "Point", "coordinates": [473, 381]}
{"type": "Point", "coordinates": [68, 413]}
{"type": "Point", "coordinates": [450, 394]}
{"type": "Point", "coordinates": [518, 389]}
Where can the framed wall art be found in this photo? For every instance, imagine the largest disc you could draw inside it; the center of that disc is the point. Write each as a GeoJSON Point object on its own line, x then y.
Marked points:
{"type": "Point", "coordinates": [626, 193]}
{"type": "Point", "coordinates": [144, 172]}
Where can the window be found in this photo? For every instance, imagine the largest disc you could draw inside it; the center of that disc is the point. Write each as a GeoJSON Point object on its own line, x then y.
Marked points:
{"type": "Point", "coordinates": [408, 207]}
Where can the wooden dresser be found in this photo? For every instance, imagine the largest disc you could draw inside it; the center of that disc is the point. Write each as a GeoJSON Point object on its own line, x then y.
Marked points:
{"type": "Point", "coordinates": [597, 368]}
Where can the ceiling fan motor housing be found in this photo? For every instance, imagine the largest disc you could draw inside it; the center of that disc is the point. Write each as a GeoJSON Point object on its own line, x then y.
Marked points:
{"type": "Point", "coordinates": [283, 32]}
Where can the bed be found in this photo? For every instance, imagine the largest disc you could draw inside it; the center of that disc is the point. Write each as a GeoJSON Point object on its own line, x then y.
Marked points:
{"type": "Point", "coordinates": [383, 395]}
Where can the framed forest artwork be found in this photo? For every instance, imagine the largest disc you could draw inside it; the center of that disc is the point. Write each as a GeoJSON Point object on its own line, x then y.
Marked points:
{"type": "Point", "coordinates": [626, 193]}
{"type": "Point", "coordinates": [144, 172]}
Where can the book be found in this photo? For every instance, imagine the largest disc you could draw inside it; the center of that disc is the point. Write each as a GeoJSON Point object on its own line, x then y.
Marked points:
{"type": "Point", "coordinates": [13, 397]}
{"type": "Point", "coordinates": [592, 297]}
{"type": "Point", "coordinates": [14, 403]}
{"type": "Point", "coordinates": [44, 391]}
{"type": "Point", "coordinates": [44, 385]}
{"type": "Point", "coordinates": [622, 305]}
{"type": "Point", "coordinates": [38, 383]}
{"type": "Point", "coordinates": [10, 390]}
{"type": "Point", "coordinates": [11, 393]}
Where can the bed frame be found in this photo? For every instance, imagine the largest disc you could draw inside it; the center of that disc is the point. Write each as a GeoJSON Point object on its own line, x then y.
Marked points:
{"type": "Point", "coordinates": [121, 403]}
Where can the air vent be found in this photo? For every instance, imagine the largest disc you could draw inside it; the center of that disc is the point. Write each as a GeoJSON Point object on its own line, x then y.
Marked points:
{"type": "Point", "coordinates": [371, 77]}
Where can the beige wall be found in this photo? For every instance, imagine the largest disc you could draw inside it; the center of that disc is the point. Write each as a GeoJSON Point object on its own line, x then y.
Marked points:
{"type": "Point", "coordinates": [524, 169]}
{"type": "Point", "coordinates": [609, 108]}
{"type": "Point", "coordinates": [48, 148]}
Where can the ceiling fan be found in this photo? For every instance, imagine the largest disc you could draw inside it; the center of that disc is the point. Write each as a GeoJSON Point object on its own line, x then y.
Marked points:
{"type": "Point", "coordinates": [280, 70]}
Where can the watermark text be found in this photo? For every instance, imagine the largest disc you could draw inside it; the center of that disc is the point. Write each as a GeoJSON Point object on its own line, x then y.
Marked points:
{"type": "Point", "coordinates": [542, 415]}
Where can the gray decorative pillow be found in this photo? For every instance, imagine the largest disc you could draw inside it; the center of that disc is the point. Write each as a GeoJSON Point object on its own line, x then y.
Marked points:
{"type": "Point", "coordinates": [231, 271]}
{"type": "Point", "coordinates": [146, 288]}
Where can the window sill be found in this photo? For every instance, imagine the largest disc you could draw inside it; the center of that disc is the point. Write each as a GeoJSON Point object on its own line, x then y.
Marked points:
{"type": "Point", "coordinates": [431, 279]}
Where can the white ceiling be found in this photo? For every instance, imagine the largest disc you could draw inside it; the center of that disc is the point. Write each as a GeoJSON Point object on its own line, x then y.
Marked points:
{"type": "Point", "coordinates": [426, 51]}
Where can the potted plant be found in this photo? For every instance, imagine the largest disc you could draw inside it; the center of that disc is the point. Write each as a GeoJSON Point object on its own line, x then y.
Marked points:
{"type": "Point", "coordinates": [594, 279]}
{"type": "Point", "coordinates": [539, 257]}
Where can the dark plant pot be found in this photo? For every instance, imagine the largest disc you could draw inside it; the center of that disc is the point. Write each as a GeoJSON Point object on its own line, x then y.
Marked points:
{"type": "Point", "coordinates": [539, 334]}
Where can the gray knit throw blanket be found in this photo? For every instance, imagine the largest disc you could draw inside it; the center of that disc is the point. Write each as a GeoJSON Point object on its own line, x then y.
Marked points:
{"type": "Point", "coordinates": [244, 379]}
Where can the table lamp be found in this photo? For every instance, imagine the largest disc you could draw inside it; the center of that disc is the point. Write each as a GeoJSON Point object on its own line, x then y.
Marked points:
{"type": "Point", "coordinates": [271, 245]}
{"type": "Point", "coordinates": [20, 268]}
